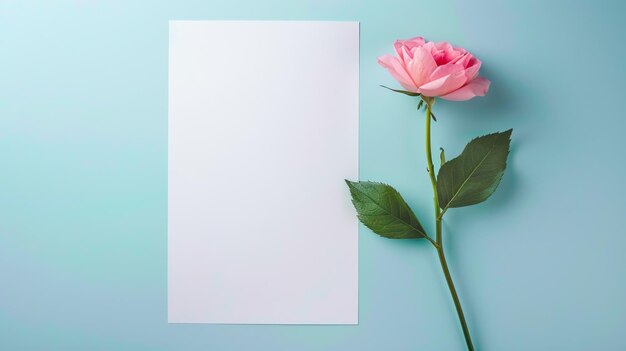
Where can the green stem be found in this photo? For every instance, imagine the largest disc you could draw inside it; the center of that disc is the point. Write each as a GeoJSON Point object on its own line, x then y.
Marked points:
{"type": "Point", "coordinates": [431, 168]}
{"type": "Point", "coordinates": [439, 239]}
{"type": "Point", "coordinates": [455, 297]}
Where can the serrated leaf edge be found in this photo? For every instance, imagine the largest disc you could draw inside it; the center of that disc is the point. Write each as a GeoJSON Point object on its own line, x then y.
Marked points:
{"type": "Point", "coordinates": [509, 132]}
{"type": "Point", "coordinates": [353, 188]}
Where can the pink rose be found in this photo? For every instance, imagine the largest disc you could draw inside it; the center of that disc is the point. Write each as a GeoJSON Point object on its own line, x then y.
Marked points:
{"type": "Point", "coordinates": [435, 69]}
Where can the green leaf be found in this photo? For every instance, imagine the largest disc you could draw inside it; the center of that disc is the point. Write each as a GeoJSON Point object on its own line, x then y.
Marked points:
{"type": "Point", "coordinates": [381, 208]}
{"type": "Point", "coordinates": [474, 175]}
{"type": "Point", "coordinates": [405, 92]}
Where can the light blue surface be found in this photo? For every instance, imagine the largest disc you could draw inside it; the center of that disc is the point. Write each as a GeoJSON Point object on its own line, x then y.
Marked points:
{"type": "Point", "coordinates": [540, 266]}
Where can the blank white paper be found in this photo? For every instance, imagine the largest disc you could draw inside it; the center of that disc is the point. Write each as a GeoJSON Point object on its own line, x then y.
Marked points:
{"type": "Point", "coordinates": [263, 130]}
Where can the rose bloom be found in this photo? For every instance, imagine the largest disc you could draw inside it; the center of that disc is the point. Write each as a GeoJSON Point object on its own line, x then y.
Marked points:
{"type": "Point", "coordinates": [435, 69]}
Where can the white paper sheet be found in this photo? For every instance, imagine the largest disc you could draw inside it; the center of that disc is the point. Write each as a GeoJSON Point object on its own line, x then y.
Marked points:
{"type": "Point", "coordinates": [263, 128]}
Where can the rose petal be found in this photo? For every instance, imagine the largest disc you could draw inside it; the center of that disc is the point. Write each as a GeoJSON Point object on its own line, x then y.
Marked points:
{"type": "Point", "coordinates": [443, 45]}
{"type": "Point", "coordinates": [421, 66]}
{"type": "Point", "coordinates": [443, 85]}
{"type": "Point", "coordinates": [397, 70]}
{"type": "Point", "coordinates": [448, 53]}
{"type": "Point", "coordinates": [477, 87]}
{"type": "Point", "coordinates": [461, 59]}
{"type": "Point", "coordinates": [472, 69]}
{"type": "Point", "coordinates": [443, 54]}
{"type": "Point", "coordinates": [407, 55]}
{"type": "Point", "coordinates": [430, 47]}
{"type": "Point", "coordinates": [408, 44]}
{"type": "Point", "coordinates": [442, 71]}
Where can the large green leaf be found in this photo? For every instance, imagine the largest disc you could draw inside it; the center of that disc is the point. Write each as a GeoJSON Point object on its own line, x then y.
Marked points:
{"type": "Point", "coordinates": [381, 208]}
{"type": "Point", "coordinates": [474, 175]}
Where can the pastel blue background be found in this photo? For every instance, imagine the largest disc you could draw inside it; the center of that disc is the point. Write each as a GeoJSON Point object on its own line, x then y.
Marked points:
{"type": "Point", "coordinates": [83, 173]}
